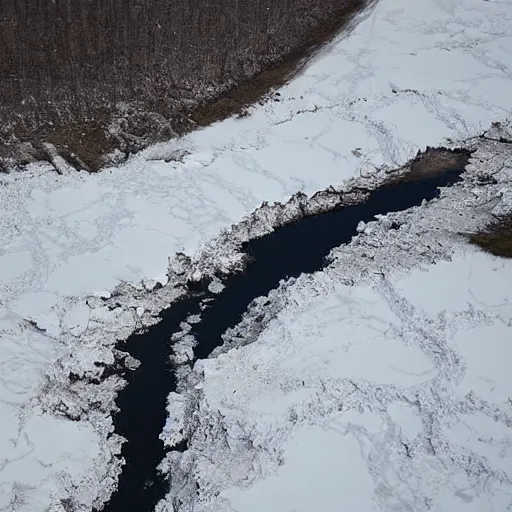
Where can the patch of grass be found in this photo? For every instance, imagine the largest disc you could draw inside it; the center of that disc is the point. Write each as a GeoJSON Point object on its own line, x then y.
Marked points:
{"type": "Point", "coordinates": [438, 160]}
{"type": "Point", "coordinates": [430, 162]}
{"type": "Point", "coordinates": [496, 237]}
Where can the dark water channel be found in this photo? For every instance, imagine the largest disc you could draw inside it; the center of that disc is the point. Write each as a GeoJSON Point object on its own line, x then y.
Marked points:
{"type": "Point", "coordinates": [287, 252]}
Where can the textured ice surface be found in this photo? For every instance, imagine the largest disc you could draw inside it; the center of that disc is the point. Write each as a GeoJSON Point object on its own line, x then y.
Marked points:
{"type": "Point", "coordinates": [393, 360]}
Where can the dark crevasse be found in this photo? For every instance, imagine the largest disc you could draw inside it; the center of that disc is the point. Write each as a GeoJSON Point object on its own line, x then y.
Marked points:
{"type": "Point", "coordinates": [287, 252]}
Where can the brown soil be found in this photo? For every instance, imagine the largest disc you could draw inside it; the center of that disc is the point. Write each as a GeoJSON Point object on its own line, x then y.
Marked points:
{"type": "Point", "coordinates": [433, 161]}
{"type": "Point", "coordinates": [496, 237]}
{"type": "Point", "coordinates": [84, 145]}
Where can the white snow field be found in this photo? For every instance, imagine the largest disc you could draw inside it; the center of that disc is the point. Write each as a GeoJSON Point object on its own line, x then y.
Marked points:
{"type": "Point", "coordinates": [358, 398]}
{"type": "Point", "coordinates": [411, 74]}
{"type": "Point", "coordinates": [379, 383]}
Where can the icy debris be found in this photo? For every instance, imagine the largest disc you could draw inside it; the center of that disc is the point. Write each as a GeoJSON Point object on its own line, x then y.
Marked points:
{"type": "Point", "coordinates": [179, 264]}
{"type": "Point", "coordinates": [129, 362]}
{"type": "Point", "coordinates": [149, 284]}
{"type": "Point", "coordinates": [76, 319]}
{"type": "Point", "coordinates": [499, 132]}
{"type": "Point", "coordinates": [179, 335]}
{"type": "Point", "coordinates": [196, 276]}
{"type": "Point", "coordinates": [182, 353]}
{"type": "Point", "coordinates": [216, 286]}
{"type": "Point", "coordinates": [174, 430]}
{"type": "Point", "coordinates": [381, 223]}
{"type": "Point", "coordinates": [140, 311]}
{"type": "Point", "coordinates": [259, 313]}
{"type": "Point", "coordinates": [185, 327]}
{"type": "Point", "coordinates": [102, 294]}
{"type": "Point", "coordinates": [163, 280]}
{"type": "Point", "coordinates": [152, 284]}
{"type": "Point", "coordinates": [183, 343]}
{"type": "Point", "coordinates": [61, 166]}
{"type": "Point", "coordinates": [194, 319]}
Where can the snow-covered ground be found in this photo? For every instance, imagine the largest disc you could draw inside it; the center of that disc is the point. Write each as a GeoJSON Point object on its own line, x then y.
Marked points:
{"type": "Point", "coordinates": [379, 383]}
{"type": "Point", "coordinates": [411, 74]}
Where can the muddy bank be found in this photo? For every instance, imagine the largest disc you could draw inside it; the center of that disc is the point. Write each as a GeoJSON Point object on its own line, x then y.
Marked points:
{"type": "Point", "coordinates": [289, 251]}
{"type": "Point", "coordinates": [496, 237]}
{"type": "Point", "coordinates": [433, 161]}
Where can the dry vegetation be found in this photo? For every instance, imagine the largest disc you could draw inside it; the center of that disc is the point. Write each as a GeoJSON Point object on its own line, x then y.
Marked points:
{"type": "Point", "coordinates": [93, 75]}
{"type": "Point", "coordinates": [430, 162]}
{"type": "Point", "coordinates": [496, 238]}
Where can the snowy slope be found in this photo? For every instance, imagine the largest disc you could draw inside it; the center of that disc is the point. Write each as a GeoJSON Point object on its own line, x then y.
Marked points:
{"type": "Point", "coordinates": [410, 74]}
